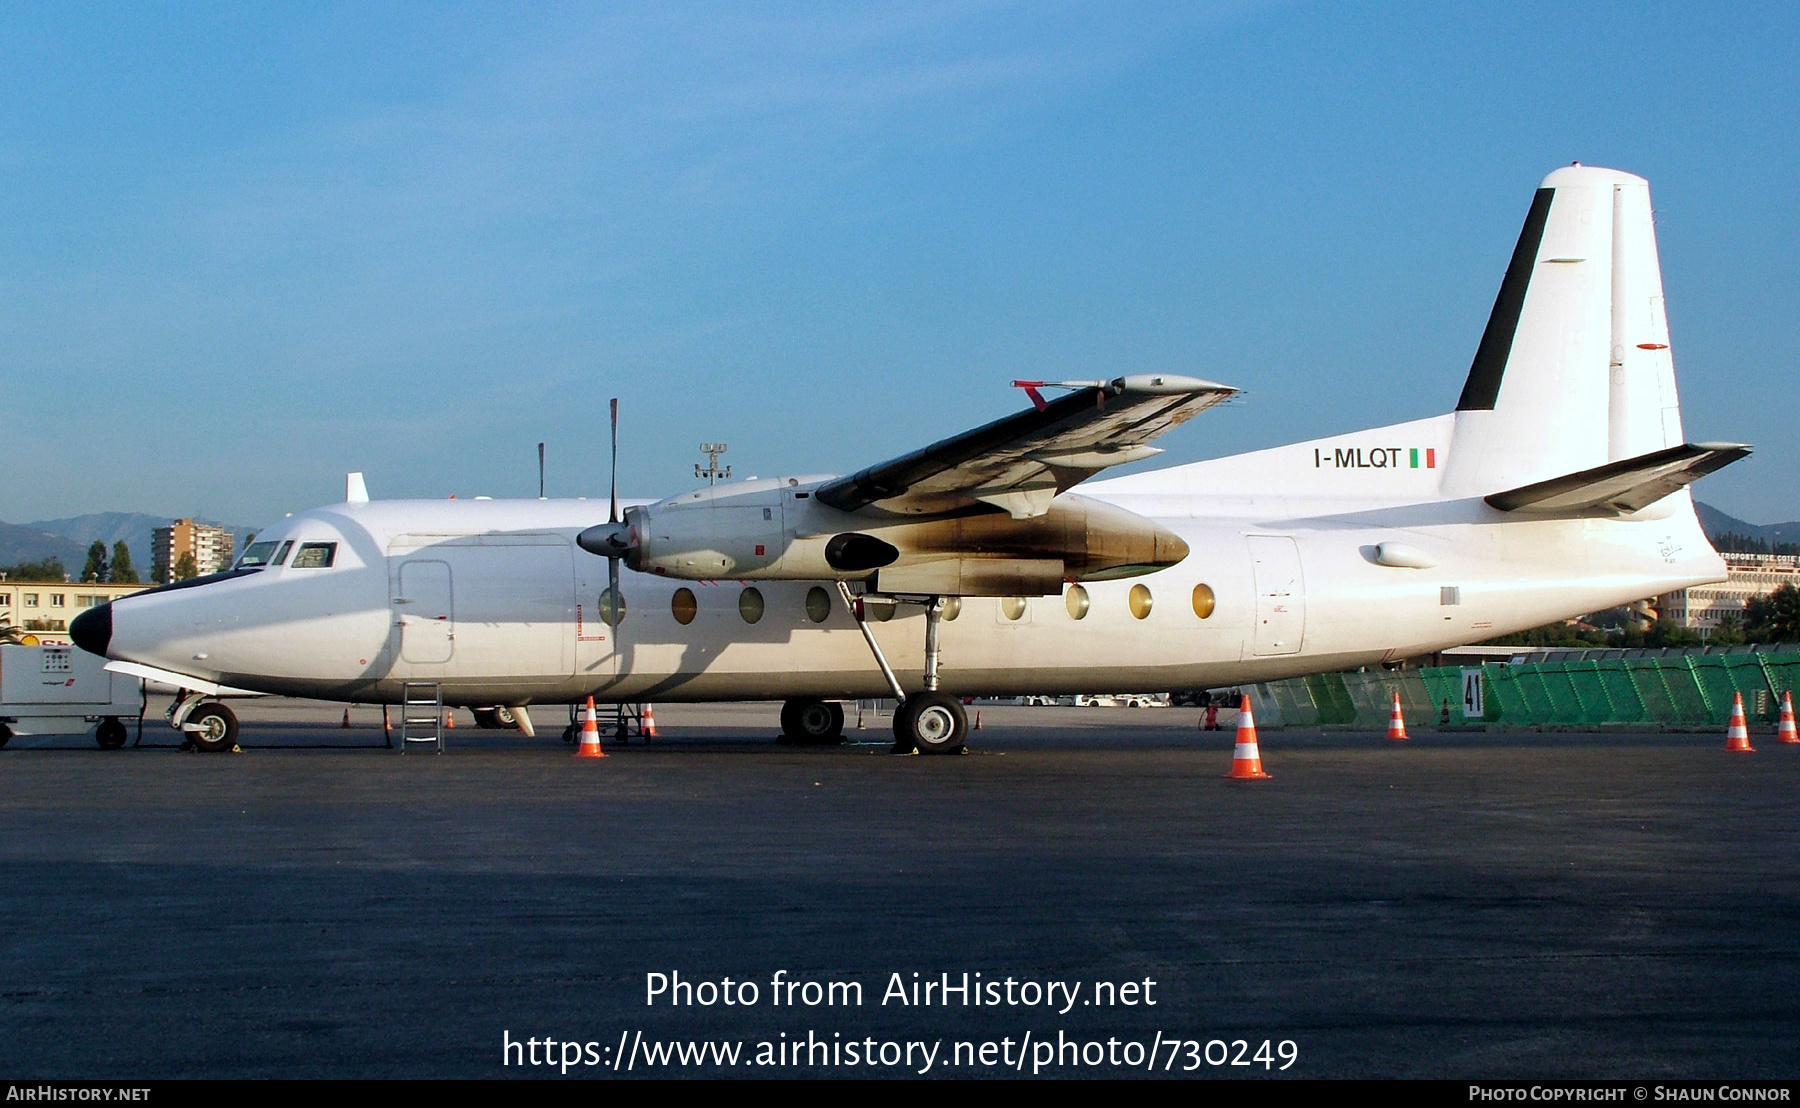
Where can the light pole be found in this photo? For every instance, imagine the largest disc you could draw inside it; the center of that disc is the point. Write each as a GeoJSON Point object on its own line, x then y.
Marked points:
{"type": "Point", "coordinates": [712, 472]}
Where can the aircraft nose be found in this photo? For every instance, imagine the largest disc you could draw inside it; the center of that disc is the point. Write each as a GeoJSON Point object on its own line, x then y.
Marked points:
{"type": "Point", "coordinates": [92, 629]}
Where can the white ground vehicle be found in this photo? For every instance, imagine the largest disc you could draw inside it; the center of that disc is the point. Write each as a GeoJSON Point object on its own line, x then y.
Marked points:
{"type": "Point", "coordinates": [1123, 700]}
{"type": "Point", "coordinates": [59, 690]}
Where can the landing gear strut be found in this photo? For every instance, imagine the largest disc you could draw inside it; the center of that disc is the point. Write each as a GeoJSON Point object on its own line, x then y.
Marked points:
{"type": "Point", "coordinates": [929, 722]}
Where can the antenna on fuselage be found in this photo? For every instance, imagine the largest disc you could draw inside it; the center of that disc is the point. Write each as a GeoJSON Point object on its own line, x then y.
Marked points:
{"type": "Point", "coordinates": [540, 471]}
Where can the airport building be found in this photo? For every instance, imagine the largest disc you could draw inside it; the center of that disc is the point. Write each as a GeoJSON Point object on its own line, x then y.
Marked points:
{"type": "Point", "coordinates": [1702, 607]}
{"type": "Point", "coordinates": [211, 548]}
{"type": "Point", "coordinates": [44, 608]}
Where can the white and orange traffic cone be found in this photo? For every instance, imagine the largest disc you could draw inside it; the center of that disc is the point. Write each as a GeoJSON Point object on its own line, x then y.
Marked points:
{"type": "Point", "coordinates": [1397, 722]}
{"type": "Point", "coordinates": [1784, 728]}
{"type": "Point", "coordinates": [1737, 736]}
{"type": "Point", "coordinates": [450, 721]}
{"type": "Point", "coordinates": [649, 728]}
{"type": "Point", "coordinates": [589, 747]}
{"type": "Point", "coordinates": [1246, 760]}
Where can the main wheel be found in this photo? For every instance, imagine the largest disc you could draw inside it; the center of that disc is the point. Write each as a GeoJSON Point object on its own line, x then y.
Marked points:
{"type": "Point", "coordinates": [216, 728]}
{"type": "Point", "coordinates": [931, 723]}
{"type": "Point", "coordinates": [110, 734]}
{"type": "Point", "coordinates": [487, 719]}
{"type": "Point", "coordinates": [812, 721]}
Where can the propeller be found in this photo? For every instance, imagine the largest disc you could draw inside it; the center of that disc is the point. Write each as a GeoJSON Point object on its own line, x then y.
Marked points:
{"type": "Point", "coordinates": [612, 539]}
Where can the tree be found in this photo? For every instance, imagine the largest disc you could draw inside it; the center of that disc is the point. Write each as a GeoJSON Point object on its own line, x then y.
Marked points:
{"type": "Point", "coordinates": [122, 573]}
{"type": "Point", "coordinates": [50, 569]}
{"type": "Point", "coordinates": [1775, 617]}
{"type": "Point", "coordinates": [1666, 632]}
{"type": "Point", "coordinates": [185, 569]}
{"type": "Point", "coordinates": [1729, 632]}
{"type": "Point", "coordinates": [96, 568]}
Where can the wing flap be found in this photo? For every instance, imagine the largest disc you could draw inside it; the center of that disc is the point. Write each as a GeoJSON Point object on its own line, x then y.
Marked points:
{"type": "Point", "coordinates": [1623, 486]}
{"type": "Point", "coordinates": [1021, 461]}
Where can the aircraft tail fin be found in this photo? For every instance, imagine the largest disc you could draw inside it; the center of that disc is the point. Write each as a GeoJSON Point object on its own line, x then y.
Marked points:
{"type": "Point", "coordinates": [1574, 370]}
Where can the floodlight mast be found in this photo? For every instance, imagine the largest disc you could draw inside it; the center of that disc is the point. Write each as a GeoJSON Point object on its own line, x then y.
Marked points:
{"type": "Point", "coordinates": [712, 472]}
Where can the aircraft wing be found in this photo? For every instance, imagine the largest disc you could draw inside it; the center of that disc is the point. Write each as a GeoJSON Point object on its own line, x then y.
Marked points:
{"type": "Point", "coordinates": [1623, 486]}
{"type": "Point", "coordinates": [1019, 463]}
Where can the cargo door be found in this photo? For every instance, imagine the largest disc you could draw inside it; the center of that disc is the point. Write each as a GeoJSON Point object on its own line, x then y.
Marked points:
{"type": "Point", "coordinates": [1280, 594]}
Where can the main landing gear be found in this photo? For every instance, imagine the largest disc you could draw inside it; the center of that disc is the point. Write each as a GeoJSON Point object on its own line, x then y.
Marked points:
{"type": "Point", "coordinates": [809, 722]}
{"type": "Point", "coordinates": [929, 722]}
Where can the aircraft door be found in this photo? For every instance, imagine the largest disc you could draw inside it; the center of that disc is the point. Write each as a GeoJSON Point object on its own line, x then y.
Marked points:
{"type": "Point", "coordinates": [422, 610]}
{"type": "Point", "coordinates": [1280, 594]}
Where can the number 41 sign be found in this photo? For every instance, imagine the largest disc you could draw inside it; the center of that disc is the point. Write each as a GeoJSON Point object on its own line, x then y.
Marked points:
{"type": "Point", "coordinates": [1473, 708]}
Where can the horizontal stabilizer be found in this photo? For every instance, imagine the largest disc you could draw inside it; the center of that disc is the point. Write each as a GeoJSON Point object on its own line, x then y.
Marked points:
{"type": "Point", "coordinates": [1623, 486]}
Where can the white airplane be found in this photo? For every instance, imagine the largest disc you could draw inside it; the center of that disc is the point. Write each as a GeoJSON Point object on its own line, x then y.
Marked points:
{"type": "Point", "coordinates": [1556, 487]}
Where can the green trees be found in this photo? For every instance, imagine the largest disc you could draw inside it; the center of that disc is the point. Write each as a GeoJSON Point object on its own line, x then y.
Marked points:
{"type": "Point", "coordinates": [50, 569]}
{"type": "Point", "coordinates": [1775, 617]}
{"type": "Point", "coordinates": [122, 573]}
{"type": "Point", "coordinates": [96, 568]}
{"type": "Point", "coordinates": [185, 569]}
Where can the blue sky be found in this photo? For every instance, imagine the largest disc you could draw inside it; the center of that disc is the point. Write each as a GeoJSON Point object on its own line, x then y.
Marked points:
{"type": "Point", "coordinates": [247, 248]}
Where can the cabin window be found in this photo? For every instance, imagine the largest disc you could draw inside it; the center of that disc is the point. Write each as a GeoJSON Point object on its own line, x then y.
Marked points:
{"type": "Point", "coordinates": [1012, 607]}
{"type": "Point", "coordinates": [605, 603]}
{"type": "Point", "coordinates": [1140, 601]}
{"type": "Point", "coordinates": [683, 606]}
{"type": "Point", "coordinates": [315, 555]}
{"type": "Point", "coordinates": [818, 604]}
{"type": "Point", "coordinates": [750, 604]}
{"type": "Point", "coordinates": [951, 609]}
{"type": "Point", "coordinates": [1203, 600]}
{"type": "Point", "coordinates": [281, 555]}
{"type": "Point", "coordinates": [1449, 595]}
{"type": "Point", "coordinates": [256, 554]}
{"type": "Point", "coordinates": [1076, 600]}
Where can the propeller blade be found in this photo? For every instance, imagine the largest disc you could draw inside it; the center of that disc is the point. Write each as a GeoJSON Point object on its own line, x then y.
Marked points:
{"type": "Point", "coordinates": [612, 594]}
{"type": "Point", "coordinates": [612, 515]}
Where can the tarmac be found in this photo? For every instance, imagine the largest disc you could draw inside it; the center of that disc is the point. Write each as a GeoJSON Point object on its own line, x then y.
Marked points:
{"type": "Point", "coordinates": [1461, 905]}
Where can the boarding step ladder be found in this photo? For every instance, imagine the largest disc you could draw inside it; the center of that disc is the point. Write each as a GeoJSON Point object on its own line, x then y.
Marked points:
{"type": "Point", "coordinates": [616, 722]}
{"type": "Point", "coordinates": [421, 714]}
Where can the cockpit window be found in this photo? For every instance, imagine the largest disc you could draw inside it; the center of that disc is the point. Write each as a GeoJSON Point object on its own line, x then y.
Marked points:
{"type": "Point", "coordinates": [256, 554]}
{"type": "Point", "coordinates": [281, 555]}
{"type": "Point", "coordinates": [315, 555]}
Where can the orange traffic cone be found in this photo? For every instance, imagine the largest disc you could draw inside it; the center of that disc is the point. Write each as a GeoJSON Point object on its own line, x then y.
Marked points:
{"type": "Point", "coordinates": [1397, 722]}
{"type": "Point", "coordinates": [1737, 736]}
{"type": "Point", "coordinates": [1246, 760]}
{"type": "Point", "coordinates": [649, 728]}
{"type": "Point", "coordinates": [346, 722]}
{"type": "Point", "coordinates": [1784, 729]}
{"type": "Point", "coordinates": [450, 721]}
{"type": "Point", "coordinates": [589, 747]}
{"type": "Point", "coordinates": [977, 721]}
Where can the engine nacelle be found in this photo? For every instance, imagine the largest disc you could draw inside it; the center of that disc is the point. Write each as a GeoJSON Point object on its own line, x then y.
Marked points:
{"type": "Point", "coordinates": [774, 529]}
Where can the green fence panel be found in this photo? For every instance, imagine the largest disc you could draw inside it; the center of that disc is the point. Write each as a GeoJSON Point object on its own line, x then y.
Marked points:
{"type": "Point", "coordinates": [1684, 690]}
{"type": "Point", "coordinates": [1627, 703]}
{"type": "Point", "coordinates": [1566, 708]}
{"type": "Point", "coordinates": [1783, 672]}
{"type": "Point", "coordinates": [1335, 706]}
{"type": "Point", "coordinates": [1443, 685]}
{"type": "Point", "coordinates": [1294, 700]}
{"type": "Point", "coordinates": [1590, 689]}
{"type": "Point", "coordinates": [1714, 678]}
{"type": "Point", "coordinates": [1539, 708]}
{"type": "Point", "coordinates": [1748, 678]}
{"type": "Point", "coordinates": [1659, 704]}
{"type": "Point", "coordinates": [1504, 698]}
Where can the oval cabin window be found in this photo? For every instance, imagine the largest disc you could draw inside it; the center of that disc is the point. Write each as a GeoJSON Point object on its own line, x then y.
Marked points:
{"type": "Point", "coordinates": [1140, 601]}
{"type": "Point", "coordinates": [750, 604]}
{"type": "Point", "coordinates": [1203, 600]}
{"type": "Point", "coordinates": [1012, 607]}
{"type": "Point", "coordinates": [818, 604]}
{"type": "Point", "coordinates": [1076, 599]}
{"type": "Point", "coordinates": [607, 615]}
{"type": "Point", "coordinates": [952, 608]}
{"type": "Point", "coordinates": [683, 606]}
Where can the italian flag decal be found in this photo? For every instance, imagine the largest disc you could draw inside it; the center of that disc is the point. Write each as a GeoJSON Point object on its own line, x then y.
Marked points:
{"type": "Point", "coordinates": [1430, 458]}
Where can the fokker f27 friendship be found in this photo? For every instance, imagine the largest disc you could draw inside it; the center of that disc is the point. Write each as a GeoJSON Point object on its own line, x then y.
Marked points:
{"type": "Point", "coordinates": [1557, 486]}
